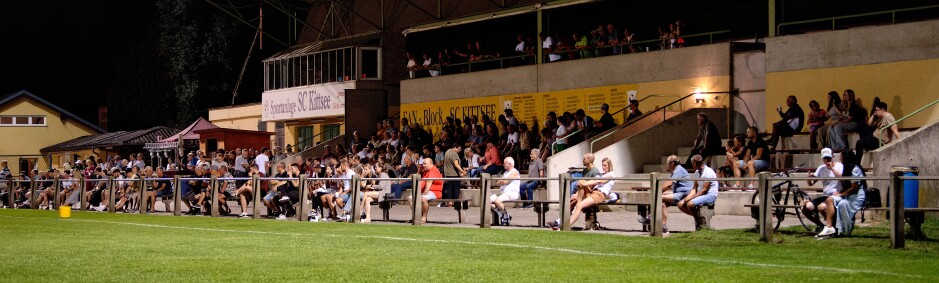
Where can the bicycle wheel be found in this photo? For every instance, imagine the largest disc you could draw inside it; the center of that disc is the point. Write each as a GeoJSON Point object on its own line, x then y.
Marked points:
{"type": "Point", "coordinates": [779, 213]}
{"type": "Point", "coordinates": [798, 197]}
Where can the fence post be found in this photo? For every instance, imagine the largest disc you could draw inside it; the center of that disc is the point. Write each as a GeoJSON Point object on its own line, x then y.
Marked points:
{"type": "Point", "coordinates": [897, 220]}
{"type": "Point", "coordinates": [57, 184]}
{"type": "Point", "coordinates": [82, 200]}
{"type": "Point", "coordinates": [415, 200]}
{"type": "Point", "coordinates": [144, 196]}
{"type": "Point", "coordinates": [655, 205]}
{"type": "Point", "coordinates": [11, 193]}
{"type": "Point", "coordinates": [213, 183]}
{"type": "Point", "coordinates": [303, 211]}
{"type": "Point", "coordinates": [485, 216]}
{"type": "Point", "coordinates": [256, 190]}
{"type": "Point", "coordinates": [111, 184]}
{"type": "Point", "coordinates": [354, 198]}
{"type": "Point", "coordinates": [33, 184]}
{"type": "Point", "coordinates": [766, 208]}
{"type": "Point", "coordinates": [564, 203]}
{"type": "Point", "coordinates": [177, 196]}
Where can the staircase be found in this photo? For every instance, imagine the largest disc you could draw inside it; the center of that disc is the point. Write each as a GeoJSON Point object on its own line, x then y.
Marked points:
{"type": "Point", "coordinates": [317, 151]}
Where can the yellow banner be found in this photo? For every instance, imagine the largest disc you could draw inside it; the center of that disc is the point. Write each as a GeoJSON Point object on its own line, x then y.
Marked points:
{"type": "Point", "coordinates": [527, 107]}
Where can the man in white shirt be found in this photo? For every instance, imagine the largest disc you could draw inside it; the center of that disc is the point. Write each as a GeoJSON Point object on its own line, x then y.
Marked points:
{"type": "Point", "coordinates": [702, 192]}
{"type": "Point", "coordinates": [262, 161]}
{"type": "Point", "coordinates": [548, 46]}
{"type": "Point", "coordinates": [817, 207]}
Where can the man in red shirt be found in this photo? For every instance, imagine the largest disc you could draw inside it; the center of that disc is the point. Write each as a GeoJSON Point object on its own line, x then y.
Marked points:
{"type": "Point", "coordinates": [430, 190]}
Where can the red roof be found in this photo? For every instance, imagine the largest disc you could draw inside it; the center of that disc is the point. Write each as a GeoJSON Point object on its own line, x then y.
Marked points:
{"type": "Point", "coordinates": [189, 132]}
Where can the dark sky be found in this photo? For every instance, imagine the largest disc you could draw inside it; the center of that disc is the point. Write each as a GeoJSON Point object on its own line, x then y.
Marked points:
{"type": "Point", "coordinates": [63, 51]}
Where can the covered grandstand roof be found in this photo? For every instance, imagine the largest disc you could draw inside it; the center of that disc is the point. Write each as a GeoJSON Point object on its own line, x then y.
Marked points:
{"type": "Point", "coordinates": [122, 138]}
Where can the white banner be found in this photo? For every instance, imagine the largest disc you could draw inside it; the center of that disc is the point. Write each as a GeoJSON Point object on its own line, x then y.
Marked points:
{"type": "Point", "coordinates": [305, 102]}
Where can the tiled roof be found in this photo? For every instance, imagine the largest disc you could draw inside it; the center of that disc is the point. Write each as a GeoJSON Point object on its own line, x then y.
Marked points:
{"type": "Point", "coordinates": [123, 138]}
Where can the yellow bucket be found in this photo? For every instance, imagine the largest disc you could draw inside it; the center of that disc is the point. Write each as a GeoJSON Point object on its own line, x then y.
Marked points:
{"type": "Point", "coordinates": [65, 211]}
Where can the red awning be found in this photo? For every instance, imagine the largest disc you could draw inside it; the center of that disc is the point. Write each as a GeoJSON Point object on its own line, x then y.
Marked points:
{"type": "Point", "coordinates": [189, 132]}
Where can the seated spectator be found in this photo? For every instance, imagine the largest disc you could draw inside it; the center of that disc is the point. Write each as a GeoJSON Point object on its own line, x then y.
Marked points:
{"type": "Point", "coordinates": [370, 192]}
{"type": "Point", "coordinates": [822, 205]}
{"type": "Point", "coordinates": [757, 157]}
{"type": "Point", "coordinates": [430, 190]}
{"type": "Point", "coordinates": [161, 189]}
{"type": "Point", "coordinates": [816, 120]}
{"type": "Point", "coordinates": [590, 193]}
{"type": "Point", "coordinates": [880, 134]}
{"type": "Point", "coordinates": [536, 169]}
{"type": "Point", "coordinates": [834, 112]}
{"type": "Point", "coordinates": [246, 192]}
{"type": "Point", "coordinates": [680, 189]}
{"type": "Point", "coordinates": [634, 110]}
{"type": "Point", "coordinates": [472, 162]}
{"type": "Point", "coordinates": [606, 121]}
{"type": "Point", "coordinates": [508, 191]}
{"type": "Point", "coordinates": [853, 122]}
{"type": "Point", "coordinates": [792, 121]}
{"type": "Point", "coordinates": [851, 199]}
{"type": "Point", "coordinates": [493, 164]}
{"type": "Point", "coordinates": [589, 171]}
{"type": "Point", "coordinates": [345, 173]}
{"type": "Point", "coordinates": [702, 192]}
{"type": "Point", "coordinates": [735, 152]}
{"type": "Point", "coordinates": [408, 169]}
{"type": "Point", "coordinates": [708, 143]}
{"type": "Point", "coordinates": [274, 194]}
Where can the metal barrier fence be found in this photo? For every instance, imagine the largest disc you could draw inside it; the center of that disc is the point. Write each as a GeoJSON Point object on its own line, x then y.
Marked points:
{"type": "Point", "coordinates": [30, 189]}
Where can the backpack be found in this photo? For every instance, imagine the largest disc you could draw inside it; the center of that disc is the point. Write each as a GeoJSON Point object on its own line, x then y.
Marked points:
{"type": "Point", "coordinates": [872, 196]}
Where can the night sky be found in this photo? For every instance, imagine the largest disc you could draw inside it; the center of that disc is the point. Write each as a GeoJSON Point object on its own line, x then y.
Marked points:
{"type": "Point", "coordinates": [63, 51]}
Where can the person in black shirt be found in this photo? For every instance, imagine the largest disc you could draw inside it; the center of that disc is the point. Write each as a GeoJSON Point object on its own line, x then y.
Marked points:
{"type": "Point", "coordinates": [708, 143]}
{"type": "Point", "coordinates": [633, 110]}
{"type": "Point", "coordinates": [606, 121]}
{"type": "Point", "coordinates": [161, 188]}
{"type": "Point", "coordinates": [757, 157]}
{"type": "Point", "coordinates": [792, 121]}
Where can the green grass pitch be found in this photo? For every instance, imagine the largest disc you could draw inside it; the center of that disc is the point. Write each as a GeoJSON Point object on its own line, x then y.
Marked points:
{"type": "Point", "coordinates": [36, 246]}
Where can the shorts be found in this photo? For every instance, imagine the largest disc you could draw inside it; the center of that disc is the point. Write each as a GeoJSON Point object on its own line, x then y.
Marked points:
{"type": "Point", "coordinates": [503, 197]}
{"type": "Point", "coordinates": [162, 193]}
{"type": "Point", "coordinates": [597, 196]}
{"type": "Point", "coordinates": [677, 196]}
{"type": "Point", "coordinates": [432, 196]}
{"type": "Point", "coordinates": [760, 165]}
{"type": "Point", "coordinates": [818, 201]}
{"type": "Point", "coordinates": [270, 195]}
{"type": "Point", "coordinates": [344, 197]}
{"type": "Point", "coordinates": [704, 200]}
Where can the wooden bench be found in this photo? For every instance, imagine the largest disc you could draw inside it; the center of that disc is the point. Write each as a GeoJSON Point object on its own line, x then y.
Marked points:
{"type": "Point", "coordinates": [590, 214]}
{"type": "Point", "coordinates": [460, 205]}
{"type": "Point", "coordinates": [540, 207]}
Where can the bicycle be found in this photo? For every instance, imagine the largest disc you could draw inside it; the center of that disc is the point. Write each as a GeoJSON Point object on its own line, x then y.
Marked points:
{"type": "Point", "coordinates": [798, 198]}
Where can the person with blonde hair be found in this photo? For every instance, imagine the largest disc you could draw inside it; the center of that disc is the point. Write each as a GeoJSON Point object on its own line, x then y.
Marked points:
{"type": "Point", "coordinates": [590, 192]}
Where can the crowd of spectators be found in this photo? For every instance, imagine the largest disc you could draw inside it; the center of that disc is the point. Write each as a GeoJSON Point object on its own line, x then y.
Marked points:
{"type": "Point", "coordinates": [604, 40]}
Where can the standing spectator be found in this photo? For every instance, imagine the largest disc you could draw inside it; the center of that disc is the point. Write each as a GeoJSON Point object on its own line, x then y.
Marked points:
{"type": "Point", "coordinates": [411, 66]}
{"type": "Point", "coordinates": [429, 65]}
{"type": "Point", "coordinates": [606, 121]}
{"type": "Point", "coordinates": [452, 169]}
{"type": "Point", "coordinates": [817, 117]}
{"type": "Point", "coordinates": [702, 192]}
{"type": "Point", "coordinates": [548, 45]}
{"type": "Point", "coordinates": [613, 38]}
{"type": "Point", "coordinates": [834, 115]}
{"type": "Point", "coordinates": [628, 40]}
{"type": "Point", "coordinates": [853, 122]}
{"type": "Point", "coordinates": [879, 123]}
{"type": "Point", "coordinates": [792, 121]}
{"type": "Point", "coordinates": [708, 142]}
{"type": "Point", "coordinates": [262, 160]}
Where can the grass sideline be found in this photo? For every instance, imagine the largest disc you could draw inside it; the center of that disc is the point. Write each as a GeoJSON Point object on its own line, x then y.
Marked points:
{"type": "Point", "coordinates": [100, 247]}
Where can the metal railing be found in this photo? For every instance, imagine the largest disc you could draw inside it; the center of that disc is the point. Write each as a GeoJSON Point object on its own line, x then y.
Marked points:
{"type": "Point", "coordinates": [892, 13]}
{"type": "Point", "coordinates": [887, 127]}
{"type": "Point", "coordinates": [565, 139]}
{"type": "Point", "coordinates": [895, 192]}
{"type": "Point", "coordinates": [622, 46]}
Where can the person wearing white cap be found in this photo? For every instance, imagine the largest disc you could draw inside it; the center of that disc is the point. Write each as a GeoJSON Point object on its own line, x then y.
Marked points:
{"type": "Point", "coordinates": [812, 209]}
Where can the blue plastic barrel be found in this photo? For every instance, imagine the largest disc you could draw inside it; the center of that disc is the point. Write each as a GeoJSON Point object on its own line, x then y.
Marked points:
{"type": "Point", "coordinates": [910, 187]}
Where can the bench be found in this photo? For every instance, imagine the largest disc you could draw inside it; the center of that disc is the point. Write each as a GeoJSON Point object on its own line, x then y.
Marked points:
{"type": "Point", "coordinates": [460, 205]}
{"type": "Point", "coordinates": [590, 214]}
{"type": "Point", "coordinates": [539, 206]}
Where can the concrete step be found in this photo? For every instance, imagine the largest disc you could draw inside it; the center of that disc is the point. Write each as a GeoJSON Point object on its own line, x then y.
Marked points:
{"type": "Point", "coordinates": [683, 151]}
{"type": "Point", "coordinates": [651, 168]}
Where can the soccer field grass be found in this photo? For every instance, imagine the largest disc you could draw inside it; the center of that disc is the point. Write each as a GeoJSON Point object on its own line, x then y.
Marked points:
{"type": "Point", "coordinates": [39, 247]}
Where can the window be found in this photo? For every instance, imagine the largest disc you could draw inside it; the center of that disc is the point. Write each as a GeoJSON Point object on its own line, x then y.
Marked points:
{"type": "Point", "coordinates": [22, 121]}
{"type": "Point", "coordinates": [330, 131]}
{"type": "Point", "coordinates": [370, 63]}
{"type": "Point", "coordinates": [321, 67]}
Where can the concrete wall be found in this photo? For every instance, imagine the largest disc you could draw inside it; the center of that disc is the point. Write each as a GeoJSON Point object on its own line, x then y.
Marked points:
{"type": "Point", "coordinates": [675, 64]}
{"type": "Point", "coordinates": [898, 63]}
{"type": "Point", "coordinates": [909, 151]}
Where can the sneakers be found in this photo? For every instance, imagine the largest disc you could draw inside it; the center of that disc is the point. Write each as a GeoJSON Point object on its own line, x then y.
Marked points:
{"type": "Point", "coordinates": [314, 216]}
{"type": "Point", "coordinates": [284, 199]}
{"type": "Point", "coordinates": [644, 220]}
{"type": "Point", "coordinates": [555, 225]}
{"type": "Point", "coordinates": [243, 215]}
{"type": "Point", "coordinates": [282, 217]}
{"type": "Point", "coordinates": [828, 231]}
{"type": "Point", "coordinates": [528, 206]}
{"type": "Point", "coordinates": [664, 229]}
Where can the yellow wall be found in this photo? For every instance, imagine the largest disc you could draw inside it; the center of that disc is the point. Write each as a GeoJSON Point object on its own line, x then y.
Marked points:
{"type": "Point", "coordinates": [905, 87]}
{"type": "Point", "coordinates": [68, 156]}
{"type": "Point", "coordinates": [29, 140]}
{"type": "Point", "coordinates": [432, 114]}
